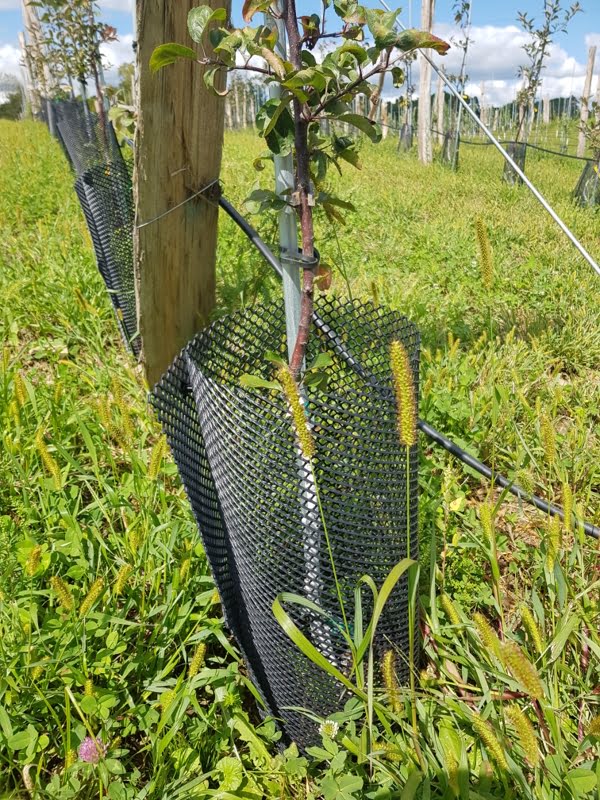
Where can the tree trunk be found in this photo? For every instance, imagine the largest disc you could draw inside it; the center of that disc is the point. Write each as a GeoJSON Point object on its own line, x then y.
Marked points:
{"type": "Point", "coordinates": [424, 112]}
{"type": "Point", "coordinates": [546, 113]}
{"type": "Point", "coordinates": [31, 88]}
{"type": "Point", "coordinates": [587, 90]}
{"type": "Point", "coordinates": [178, 147]}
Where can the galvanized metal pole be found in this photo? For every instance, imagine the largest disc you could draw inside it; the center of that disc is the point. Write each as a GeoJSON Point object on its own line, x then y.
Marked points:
{"type": "Point", "coordinates": [288, 229]}
{"type": "Point", "coordinates": [537, 194]}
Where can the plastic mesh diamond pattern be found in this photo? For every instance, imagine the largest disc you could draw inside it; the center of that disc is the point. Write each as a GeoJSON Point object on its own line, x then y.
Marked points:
{"type": "Point", "coordinates": [106, 196]}
{"type": "Point", "coordinates": [83, 137]}
{"type": "Point", "coordinates": [255, 498]}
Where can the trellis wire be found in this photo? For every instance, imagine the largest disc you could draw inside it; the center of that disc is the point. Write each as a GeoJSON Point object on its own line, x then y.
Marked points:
{"type": "Point", "coordinates": [537, 194]}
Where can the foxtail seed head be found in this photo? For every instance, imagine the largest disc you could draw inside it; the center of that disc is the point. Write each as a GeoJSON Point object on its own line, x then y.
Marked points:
{"type": "Point", "coordinates": [296, 407]}
{"type": "Point", "coordinates": [197, 660]}
{"type": "Point", "coordinates": [486, 516]}
{"type": "Point", "coordinates": [567, 497]}
{"type": "Point", "coordinates": [33, 561]}
{"type": "Point", "coordinates": [404, 389]}
{"type": "Point", "coordinates": [88, 688]}
{"type": "Point", "coordinates": [19, 389]}
{"type": "Point", "coordinates": [450, 609]}
{"type": "Point", "coordinates": [525, 734]}
{"type": "Point", "coordinates": [49, 462]}
{"type": "Point", "coordinates": [96, 590]}
{"type": "Point", "coordinates": [62, 591]}
{"type": "Point", "coordinates": [487, 635]}
{"type": "Point", "coordinates": [156, 457]}
{"type": "Point", "coordinates": [486, 259]}
{"type": "Point", "coordinates": [522, 669]}
{"type": "Point", "coordinates": [390, 682]}
{"type": "Point", "coordinates": [593, 728]}
{"type": "Point", "coordinates": [532, 629]}
{"type": "Point", "coordinates": [488, 737]}
{"type": "Point", "coordinates": [548, 438]}
{"type": "Point", "coordinates": [451, 764]}
{"type": "Point", "coordinates": [122, 579]}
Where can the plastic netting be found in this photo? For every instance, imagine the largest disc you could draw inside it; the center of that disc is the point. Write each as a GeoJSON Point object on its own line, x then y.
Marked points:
{"type": "Point", "coordinates": [587, 191]}
{"type": "Point", "coordinates": [405, 140]}
{"type": "Point", "coordinates": [83, 137]}
{"type": "Point", "coordinates": [254, 499]}
{"type": "Point", "coordinates": [450, 149]}
{"type": "Point", "coordinates": [517, 151]}
{"type": "Point", "coordinates": [105, 193]}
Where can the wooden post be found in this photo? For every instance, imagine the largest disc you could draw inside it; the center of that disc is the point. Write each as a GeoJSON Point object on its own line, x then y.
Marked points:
{"type": "Point", "coordinates": [424, 112]}
{"type": "Point", "coordinates": [178, 147]}
{"type": "Point", "coordinates": [39, 63]}
{"type": "Point", "coordinates": [31, 88]}
{"type": "Point", "coordinates": [587, 90]}
{"type": "Point", "coordinates": [546, 114]}
{"type": "Point", "coordinates": [439, 114]}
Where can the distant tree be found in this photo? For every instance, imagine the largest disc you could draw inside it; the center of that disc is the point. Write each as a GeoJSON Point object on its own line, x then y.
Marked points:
{"type": "Point", "coordinates": [555, 20]}
{"type": "Point", "coordinates": [12, 108]}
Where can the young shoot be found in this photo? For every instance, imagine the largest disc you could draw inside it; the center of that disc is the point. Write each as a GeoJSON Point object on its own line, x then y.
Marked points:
{"type": "Point", "coordinates": [365, 44]}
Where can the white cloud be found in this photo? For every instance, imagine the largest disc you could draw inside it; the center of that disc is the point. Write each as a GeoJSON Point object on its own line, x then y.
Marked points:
{"type": "Point", "coordinates": [494, 57]}
{"type": "Point", "coordinates": [116, 53]}
{"type": "Point", "coordinates": [126, 6]}
{"type": "Point", "coordinates": [10, 60]}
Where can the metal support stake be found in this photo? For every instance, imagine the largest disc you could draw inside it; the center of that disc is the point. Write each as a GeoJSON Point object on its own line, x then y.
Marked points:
{"type": "Point", "coordinates": [288, 229]}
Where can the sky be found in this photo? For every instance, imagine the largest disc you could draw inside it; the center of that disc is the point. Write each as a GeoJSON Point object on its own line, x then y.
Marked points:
{"type": "Point", "coordinates": [494, 56]}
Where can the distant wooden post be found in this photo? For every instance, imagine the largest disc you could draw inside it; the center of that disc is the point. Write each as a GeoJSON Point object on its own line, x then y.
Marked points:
{"type": "Point", "coordinates": [424, 109]}
{"type": "Point", "coordinates": [178, 148]}
{"type": "Point", "coordinates": [546, 112]}
{"type": "Point", "coordinates": [439, 112]}
{"type": "Point", "coordinates": [587, 90]}
{"type": "Point", "coordinates": [31, 89]}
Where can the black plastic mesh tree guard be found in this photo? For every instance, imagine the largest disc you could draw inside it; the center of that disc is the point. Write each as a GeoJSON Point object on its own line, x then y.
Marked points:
{"type": "Point", "coordinates": [405, 140]}
{"type": "Point", "coordinates": [587, 191]}
{"type": "Point", "coordinates": [517, 151]}
{"type": "Point", "coordinates": [450, 149]}
{"type": "Point", "coordinates": [105, 193]}
{"type": "Point", "coordinates": [83, 137]}
{"type": "Point", "coordinates": [253, 495]}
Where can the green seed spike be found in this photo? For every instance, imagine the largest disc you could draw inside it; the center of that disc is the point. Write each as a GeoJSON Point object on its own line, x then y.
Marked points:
{"type": "Point", "coordinates": [525, 734]}
{"type": "Point", "coordinates": [486, 259]}
{"type": "Point", "coordinates": [303, 434]}
{"type": "Point", "coordinates": [406, 404]}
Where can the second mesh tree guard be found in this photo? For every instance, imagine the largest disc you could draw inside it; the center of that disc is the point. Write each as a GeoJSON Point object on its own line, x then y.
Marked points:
{"type": "Point", "coordinates": [517, 151]}
{"type": "Point", "coordinates": [450, 149]}
{"type": "Point", "coordinates": [106, 196]}
{"type": "Point", "coordinates": [587, 191]}
{"type": "Point", "coordinates": [254, 497]}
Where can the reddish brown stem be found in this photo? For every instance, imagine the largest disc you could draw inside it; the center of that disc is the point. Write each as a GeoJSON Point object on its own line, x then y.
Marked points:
{"type": "Point", "coordinates": [303, 197]}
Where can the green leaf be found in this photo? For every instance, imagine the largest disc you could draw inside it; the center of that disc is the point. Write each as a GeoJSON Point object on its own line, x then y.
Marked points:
{"type": "Point", "coordinates": [355, 50]}
{"type": "Point", "coordinates": [200, 17]}
{"type": "Point", "coordinates": [398, 76]}
{"type": "Point", "coordinates": [275, 358]}
{"type": "Point", "coordinates": [166, 54]}
{"type": "Point", "coordinates": [413, 39]}
{"type": "Point", "coordinates": [311, 76]}
{"type": "Point", "coordinates": [256, 382]}
{"type": "Point", "coordinates": [19, 741]}
{"type": "Point", "coordinates": [321, 361]}
{"type": "Point", "coordinates": [581, 780]}
{"type": "Point", "coordinates": [381, 25]}
{"type": "Point", "coordinates": [365, 125]}
{"type": "Point", "coordinates": [261, 200]}
{"type": "Point", "coordinates": [251, 7]}
{"type": "Point", "coordinates": [280, 138]}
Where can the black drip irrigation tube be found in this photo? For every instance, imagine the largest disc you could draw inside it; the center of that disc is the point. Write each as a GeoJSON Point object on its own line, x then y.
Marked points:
{"type": "Point", "coordinates": [429, 431]}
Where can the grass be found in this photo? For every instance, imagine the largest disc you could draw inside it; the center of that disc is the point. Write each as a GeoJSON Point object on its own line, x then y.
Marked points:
{"type": "Point", "coordinates": [88, 495]}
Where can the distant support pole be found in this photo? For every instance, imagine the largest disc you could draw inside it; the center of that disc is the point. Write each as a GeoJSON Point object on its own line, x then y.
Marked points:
{"type": "Point", "coordinates": [178, 146]}
{"type": "Point", "coordinates": [424, 110]}
{"type": "Point", "coordinates": [439, 112]}
{"type": "Point", "coordinates": [288, 228]}
{"type": "Point", "coordinates": [587, 90]}
{"type": "Point", "coordinates": [34, 35]}
{"type": "Point", "coordinates": [546, 104]}
{"type": "Point", "coordinates": [33, 97]}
